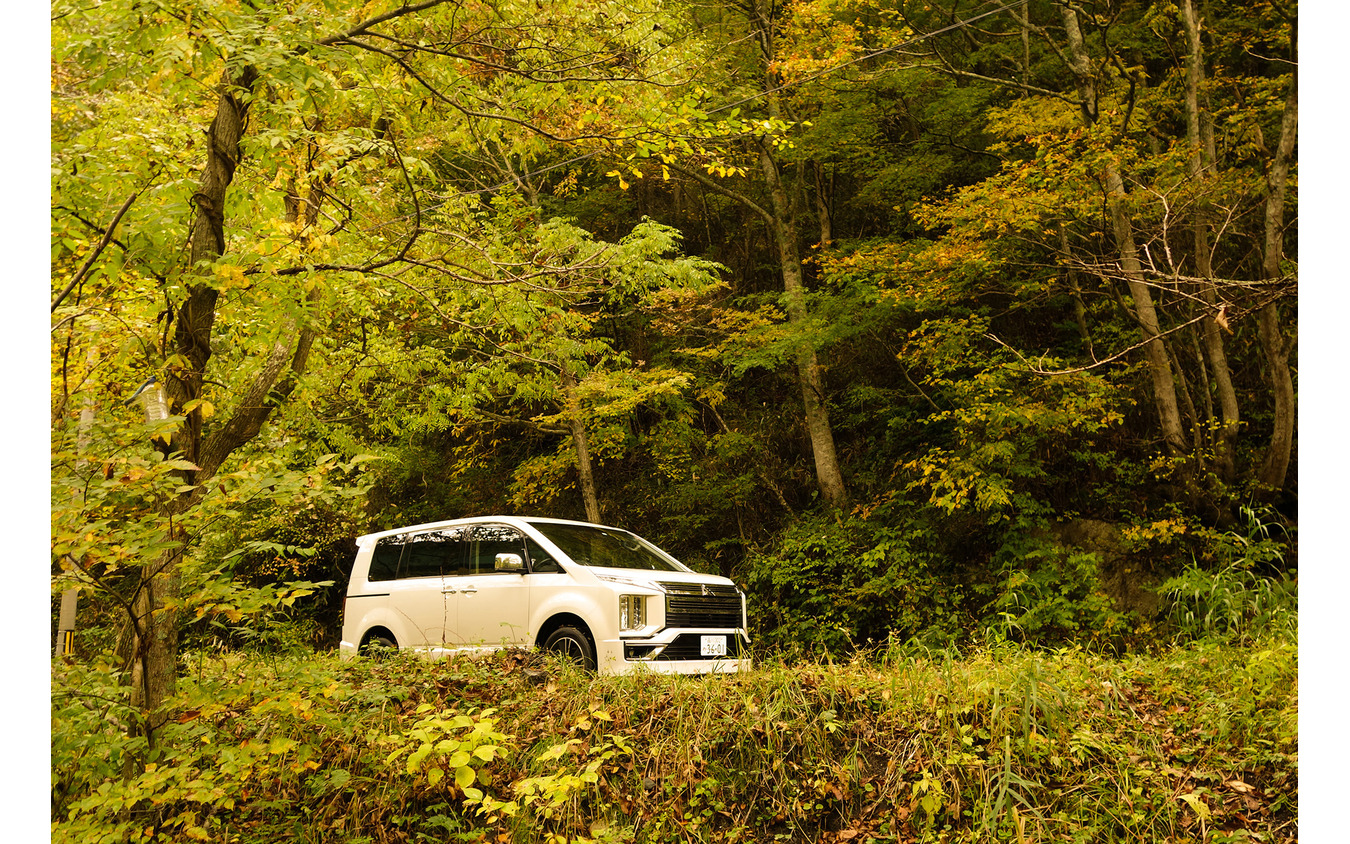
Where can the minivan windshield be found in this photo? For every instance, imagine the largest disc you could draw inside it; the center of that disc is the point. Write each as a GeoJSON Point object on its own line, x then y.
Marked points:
{"type": "Point", "coordinates": [606, 547]}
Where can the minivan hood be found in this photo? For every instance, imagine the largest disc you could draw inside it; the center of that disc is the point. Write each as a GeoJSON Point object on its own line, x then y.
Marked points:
{"type": "Point", "coordinates": [645, 576]}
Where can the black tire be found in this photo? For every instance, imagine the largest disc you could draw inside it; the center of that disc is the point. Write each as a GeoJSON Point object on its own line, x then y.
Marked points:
{"type": "Point", "coordinates": [572, 644]}
{"type": "Point", "coordinates": [378, 645]}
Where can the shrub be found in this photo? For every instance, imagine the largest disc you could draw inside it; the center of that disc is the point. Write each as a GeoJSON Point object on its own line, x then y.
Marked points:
{"type": "Point", "coordinates": [834, 585]}
{"type": "Point", "coordinates": [1237, 590]}
{"type": "Point", "coordinates": [1050, 595]}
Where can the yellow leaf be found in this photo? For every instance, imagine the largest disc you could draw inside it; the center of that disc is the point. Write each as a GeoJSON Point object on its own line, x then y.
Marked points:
{"type": "Point", "coordinates": [1197, 804]}
{"type": "Point", "coordinates": [464, 776]}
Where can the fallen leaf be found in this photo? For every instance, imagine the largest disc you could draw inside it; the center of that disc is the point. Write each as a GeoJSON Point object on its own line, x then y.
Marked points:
{"type": "Point", "coordinates": [1197, 803]}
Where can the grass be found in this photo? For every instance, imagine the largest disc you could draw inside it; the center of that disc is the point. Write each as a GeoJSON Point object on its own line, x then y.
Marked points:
{"type": "Point", "coordinates": [1196, 744]}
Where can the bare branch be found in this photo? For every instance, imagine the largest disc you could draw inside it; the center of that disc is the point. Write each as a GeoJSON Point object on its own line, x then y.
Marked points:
{"type": "Point", "coordinates": [102, 244]}
{"type": "Point", "coordinates": [365, 26]}
{"type": "Point", "coordinates": [441, 97]}
{"type": "Point", "coordinates": [1034, 370]}
{"type": "Point", "coordinates": [725, 191]}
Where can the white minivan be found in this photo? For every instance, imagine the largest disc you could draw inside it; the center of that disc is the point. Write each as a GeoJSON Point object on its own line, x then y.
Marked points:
{"type": "Point", "coordinates": [607, 598]}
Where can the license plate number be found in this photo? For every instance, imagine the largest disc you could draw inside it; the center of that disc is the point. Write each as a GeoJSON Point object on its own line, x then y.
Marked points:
{"type": "Point", "coordinates": [713, 645]}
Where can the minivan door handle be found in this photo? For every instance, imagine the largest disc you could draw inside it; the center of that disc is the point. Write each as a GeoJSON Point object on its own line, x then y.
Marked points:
{"type": "Point", "coordinates": [449, 591]}
{"type": "Point", "coordinates": [468, 590]}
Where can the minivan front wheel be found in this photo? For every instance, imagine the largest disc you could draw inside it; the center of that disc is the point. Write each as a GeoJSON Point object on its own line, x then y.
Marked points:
{"type": "Point", "coordinates": [572, 644]}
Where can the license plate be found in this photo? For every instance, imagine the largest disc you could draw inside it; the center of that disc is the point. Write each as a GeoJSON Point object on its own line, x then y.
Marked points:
{"type": "Point", "coordinates": [712, 645]}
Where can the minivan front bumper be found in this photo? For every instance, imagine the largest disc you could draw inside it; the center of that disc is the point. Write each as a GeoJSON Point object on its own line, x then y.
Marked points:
{"type": "Point", "coordinates": [677, 652]}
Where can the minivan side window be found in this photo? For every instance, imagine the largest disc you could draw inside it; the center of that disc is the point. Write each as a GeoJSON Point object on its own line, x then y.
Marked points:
{"type": "Point", "coordinates": [433, 553]}
{"type": "Point", "coordinates": [541, 562]}
{"type": "Point", "coordinates": [384, 561]}
{"type": "Point", "coordinates": [491, 540]}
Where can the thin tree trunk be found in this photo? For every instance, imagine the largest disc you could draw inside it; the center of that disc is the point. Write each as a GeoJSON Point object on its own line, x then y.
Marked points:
{"type": "Point", "coordinates": [781, 220]}
{"type": "Point", "coordinates": [824, 200]}
{"type": "Point", "coordinates": [1275, 466]}
{"type": "Point", "coordinates": [1164, 386]}
{"type": "Point", "coordinates": [1160, 370]}
{"type": "Point", "coordinates": [783, 224]}
{"type": "Point", "coordinates": [809, 371]}
{"type": "Point", "coordinates": [1199, 354]}
{"type": "Point", "coordinates": [1200, 137]}
{"type": "Point", "coordinates": [1079, 309]}
{"type": "Point", "coordinates": [581, 443]}
{"type": "Point", "coordinates": [70, 598]}
{"type": "Point", "coordinates": [1184, 394]}
{"type": "Point", "coordinates": [1024, 19]}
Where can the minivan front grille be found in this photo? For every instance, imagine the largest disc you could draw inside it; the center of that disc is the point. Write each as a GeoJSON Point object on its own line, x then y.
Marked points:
{"type": "Point", "coordinates": [687, 646]}
{"type": "Point", "coordinates": [702, 605]}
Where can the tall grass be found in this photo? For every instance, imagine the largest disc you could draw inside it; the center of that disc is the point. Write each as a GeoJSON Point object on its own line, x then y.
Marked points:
{"type": "Point", "coordinates": [998, 744]}
{"type": "Point", "coordinates": [1243, 592]}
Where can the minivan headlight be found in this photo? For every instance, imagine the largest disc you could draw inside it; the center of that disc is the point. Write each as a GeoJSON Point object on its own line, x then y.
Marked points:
{"type": "Point", "coordinates": [632, 612]}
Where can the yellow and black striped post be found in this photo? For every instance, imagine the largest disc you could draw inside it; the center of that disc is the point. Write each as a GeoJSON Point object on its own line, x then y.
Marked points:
{"type": "Point", "coordinates": [65, 627]}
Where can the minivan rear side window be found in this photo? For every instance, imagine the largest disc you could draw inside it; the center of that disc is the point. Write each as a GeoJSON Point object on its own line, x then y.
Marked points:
{"type": "Point", "coordinates": [437, 553]}
{"type": "Point", "coordinates": [429, 554]}
{"type": "Point", "coordinates": [384, 562]}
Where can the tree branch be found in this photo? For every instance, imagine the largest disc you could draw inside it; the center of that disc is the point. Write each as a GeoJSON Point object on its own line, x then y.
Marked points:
{"type": "Point", "coordinates": [102, 245]}
{"type": "Point", "coordinates": [364, 26]}
{"type": "Point", "coordinates": [727, 192]}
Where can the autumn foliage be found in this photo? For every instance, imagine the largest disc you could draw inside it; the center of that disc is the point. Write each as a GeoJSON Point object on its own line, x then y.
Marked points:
{"type": "Point", "coordinates": [936, 326]}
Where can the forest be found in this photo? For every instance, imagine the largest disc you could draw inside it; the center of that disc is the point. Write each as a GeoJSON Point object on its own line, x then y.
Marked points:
{"type": "Point", "coordinates": [961, 335]}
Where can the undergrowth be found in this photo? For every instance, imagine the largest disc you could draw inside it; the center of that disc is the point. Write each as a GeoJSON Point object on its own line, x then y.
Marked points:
{"type": "Point", "coordinates": [1000, 744]}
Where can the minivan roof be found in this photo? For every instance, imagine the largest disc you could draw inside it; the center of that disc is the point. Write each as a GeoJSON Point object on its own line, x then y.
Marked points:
{"type": "Point", "coordinates": [472, 520]}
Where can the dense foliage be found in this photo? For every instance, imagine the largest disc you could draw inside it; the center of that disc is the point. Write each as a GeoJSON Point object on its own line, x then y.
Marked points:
{"type": "Point", "coordinates": [930, 324]}
{"type": "Point", "coordinates": [1002, 744]}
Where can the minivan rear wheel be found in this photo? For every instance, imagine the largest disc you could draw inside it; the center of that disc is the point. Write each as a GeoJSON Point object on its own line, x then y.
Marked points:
{"type": "Point", "coordinates": [573, 645]}
{"type": "Point", "coordinates": [377, 645]}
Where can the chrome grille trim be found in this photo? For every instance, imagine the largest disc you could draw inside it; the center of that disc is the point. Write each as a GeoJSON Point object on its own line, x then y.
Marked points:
{"type": "Point", "coordinates": [702, 605]}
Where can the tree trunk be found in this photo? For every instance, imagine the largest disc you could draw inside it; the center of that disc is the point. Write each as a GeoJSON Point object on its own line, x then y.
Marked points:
{"type": "Point", "coordinates": [581, 443]}
{"type": "Point", "coordinates": [1200, 137]}
{"type": "Point", "coordinates": [196, 317]}
{"type": "Point", "coordinates": [1160, 370]}
{"type": "Point", "coordinates": [1275, 466]}
{"type": "Point", "coordinates": [1164, 386]}
{"type": "Point", "coordinates": [153, 629]}
{"type": "Point", "coordinates": [824, 201]}
{"type": "Point", "coordinates": [809, 371]}
{"type": "Point", "coordinates": [155, 643]}
{"type": "Point", "coordinates": [70, 598]}
{"type": "Point", "coordinates": [1079, 308]}
{"type": "Point", "coordinates": [783, 222]}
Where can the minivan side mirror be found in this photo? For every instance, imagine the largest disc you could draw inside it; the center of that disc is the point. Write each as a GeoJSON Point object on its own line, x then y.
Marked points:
{"type": "Point", "coordinates": [509, 562]}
